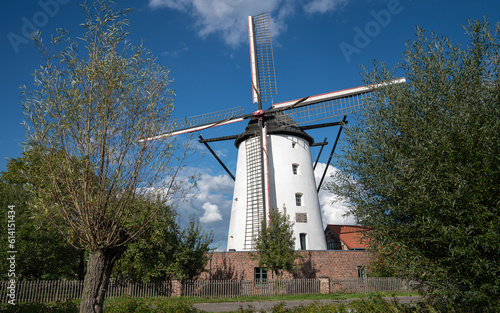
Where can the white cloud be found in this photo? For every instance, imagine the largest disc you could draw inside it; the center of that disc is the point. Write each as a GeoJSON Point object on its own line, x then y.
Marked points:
{"type": "Point", "coordinates": [212, 213]}
{"type": "Point", "coordinates": [228, 18]}
{"type": "Point", "coordinates": [176, 52]}
{"type": "Point", "coordinates": [323, 6]}
{"type": "Point", "coordinates": [208, 184]}
{"type": "Point", "coordinates": [332, 210]}
{"type": "Point", "coordinates": [171, 4]}
{"type": "Point", "coordinates": [210, 202]}
{"type": "Point", "coordinates": [222, 153]}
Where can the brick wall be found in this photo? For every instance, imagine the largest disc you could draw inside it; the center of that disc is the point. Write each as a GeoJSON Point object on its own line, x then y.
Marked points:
{"type": "Point", "coordinates": [337, 264]}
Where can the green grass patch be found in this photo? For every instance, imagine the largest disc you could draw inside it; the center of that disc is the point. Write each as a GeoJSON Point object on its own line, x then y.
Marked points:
{"type": "Point", "coordinates": [374, 303]}
{"type": "Point", "coordinates": [185, 304]}
{"type": "Point", "coordinates": [313, 297]}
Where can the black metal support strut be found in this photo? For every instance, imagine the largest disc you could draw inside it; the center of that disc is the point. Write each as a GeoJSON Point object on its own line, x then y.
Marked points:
{"type": "Point", "coordinates": [216, 157]}
{"type": "Point", "coordinates": [333, 150]}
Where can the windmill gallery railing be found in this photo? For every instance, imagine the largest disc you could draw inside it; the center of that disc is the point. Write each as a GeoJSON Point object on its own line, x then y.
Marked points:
{"type": "Point", "coordinates": [58, 290]}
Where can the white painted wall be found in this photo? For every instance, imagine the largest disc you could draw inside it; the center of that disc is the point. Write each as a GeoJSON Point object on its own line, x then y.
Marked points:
{"type": "Point", "coordinates": [283, 186]}
{"type": "Point", "coordinates": [237, 223]}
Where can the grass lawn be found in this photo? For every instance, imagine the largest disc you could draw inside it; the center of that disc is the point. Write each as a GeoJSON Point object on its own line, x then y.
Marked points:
{"type": "Point", "coordinates": [334, 296]}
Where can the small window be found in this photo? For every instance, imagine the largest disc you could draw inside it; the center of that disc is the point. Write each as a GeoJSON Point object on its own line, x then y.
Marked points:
{"type": "Point", "coordinates": [293, 144]}
{"type": "Point", "coordinates": [332, 245]}
{"type": "Point", "coordinates": [298, 199]}
{"type": "Point", "coordinates": [295, 169]}
{"type": "Point", "coordinates": [303, 242]}
{"type": "Point", "coordinates": [260, 275]}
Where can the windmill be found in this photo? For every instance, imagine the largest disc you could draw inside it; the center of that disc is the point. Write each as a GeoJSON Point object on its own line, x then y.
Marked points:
{"type": "Point", "coordinates": [274, 168]}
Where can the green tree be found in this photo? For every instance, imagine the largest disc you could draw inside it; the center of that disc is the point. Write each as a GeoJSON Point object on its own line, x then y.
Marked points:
{"type": "Point", "coordinates": [150, 258]}
{"type": "Point", "coordinates": [166, 251]}
{"type": "Point", "coordinates": [100, 185]}
{"type": "Point", "coordinates": [422, 166]}
{"type": "Point", "coordinates": [192, 251]}
{"type": "Point", "coordinates": [42, 252]}
{"type": "Point", "coordinates": [275, 245]}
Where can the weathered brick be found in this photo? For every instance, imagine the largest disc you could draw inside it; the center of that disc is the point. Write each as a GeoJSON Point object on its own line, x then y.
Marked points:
{"type": "Point", "coordinates": [336, 264]}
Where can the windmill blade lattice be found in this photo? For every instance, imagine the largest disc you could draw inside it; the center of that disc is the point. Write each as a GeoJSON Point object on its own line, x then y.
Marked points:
{"type": "Point", "coordinates": [322, 110]}
{"type": "Point", "coordinates": [264, 77]}
{"type": "Point", "coordinates": [204, 119]}
{"type": "Point", "coordinates": [303, 111]}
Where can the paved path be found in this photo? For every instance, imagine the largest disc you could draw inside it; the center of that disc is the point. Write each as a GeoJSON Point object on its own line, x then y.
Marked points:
{"type": "Point", "coordinates": [268, 305]}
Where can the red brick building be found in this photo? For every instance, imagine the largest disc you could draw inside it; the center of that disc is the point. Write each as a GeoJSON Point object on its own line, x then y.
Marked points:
{"type": "Point", "coordinates": [348, 260]}
{"type": "Point", "coordinates": [345, 237]}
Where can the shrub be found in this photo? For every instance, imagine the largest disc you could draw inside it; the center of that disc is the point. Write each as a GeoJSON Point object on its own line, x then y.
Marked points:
{"type": "Point", "coordinates": [127, 304]}
{"type": "Point", "coordinates": [68, 306]}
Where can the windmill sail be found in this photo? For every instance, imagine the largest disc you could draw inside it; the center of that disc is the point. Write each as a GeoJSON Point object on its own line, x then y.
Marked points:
{"type": "Point", "coordinates": [325, 110]}
{"type": "Point", "coordinates": [200, 122]}
{"type": "Point", "coordinates": [261, 58]}
{"type": "Point", "coordinates": [302, 111]}
{"type": "Point", "coordinates": [205, 119]}
{"type": "Point", "coordinates": [263, 87]}
{"type": "Point", "coordinates": [328, 105]}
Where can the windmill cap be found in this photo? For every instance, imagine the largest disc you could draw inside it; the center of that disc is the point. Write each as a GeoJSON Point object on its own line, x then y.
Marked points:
{"type": "Point", "coordinates": [277, 124]}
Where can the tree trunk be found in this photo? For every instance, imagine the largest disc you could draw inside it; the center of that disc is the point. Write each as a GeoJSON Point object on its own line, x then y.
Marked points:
{"type": "Point", "coordinates": [97, 277]}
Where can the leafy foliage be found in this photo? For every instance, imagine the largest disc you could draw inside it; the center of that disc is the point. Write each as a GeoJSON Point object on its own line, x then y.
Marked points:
{"type": "Point", "coordinates": [276, 244]}
{"type": "Point", "coordinates": [85, 117]}
{"type": "Point", "coordinates": [67, 306]}
{"type": "Point", "coordinates": [380, 265]}
{"type": "Point", "coordinates": [121, 305]}
{"type": "Point", "coordinates": [42, 252]}
{"type": "Point", "coordinates": [166, 252]}
{"type": "Point", "coordinates": [191, 254]}
{"type": "Point", "coordinates": [422, 167]}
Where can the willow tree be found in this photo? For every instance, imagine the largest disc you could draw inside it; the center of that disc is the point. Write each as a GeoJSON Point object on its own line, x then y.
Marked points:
{"type": "Point", "coordinates": [422, 167]}
{"type": "Point", "coordinates": [92, 101]}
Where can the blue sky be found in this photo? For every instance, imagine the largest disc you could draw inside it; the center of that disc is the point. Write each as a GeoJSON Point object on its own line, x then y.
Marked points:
{"type": "Point", "coordinates": [319, 46]}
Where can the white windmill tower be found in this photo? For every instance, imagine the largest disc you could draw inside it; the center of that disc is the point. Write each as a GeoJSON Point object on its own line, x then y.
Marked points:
{"type": "Point", "coordinates": [274, 168]}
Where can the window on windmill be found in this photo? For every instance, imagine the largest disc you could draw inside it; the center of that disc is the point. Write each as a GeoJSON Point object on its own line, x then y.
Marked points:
{"type": "Point", "coordinates": [303, 242]}
{"type": "Point", "coordinates": [293, 144]}
{"type": "Point", "coordinates": [298, 199]}
{"type": "Point", "coordinates": [260, 276]}
{"type": "Point", "coordinates": [295, 169]}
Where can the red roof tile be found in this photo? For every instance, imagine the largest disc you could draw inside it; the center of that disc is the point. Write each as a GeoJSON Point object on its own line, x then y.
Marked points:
{"type": "Point", "coordinates": [350, 235]}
